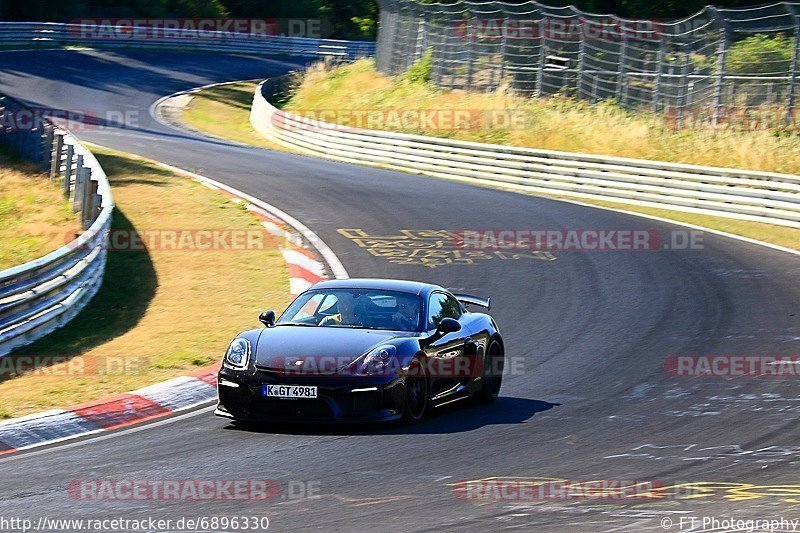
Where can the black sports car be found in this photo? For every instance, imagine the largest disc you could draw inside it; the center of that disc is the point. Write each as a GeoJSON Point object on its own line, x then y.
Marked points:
{"type": "Point", "coordinates": [362, 350]}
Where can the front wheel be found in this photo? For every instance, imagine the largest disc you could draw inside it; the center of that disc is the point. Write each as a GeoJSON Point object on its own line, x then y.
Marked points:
{"type": "Point", "coordinates": [492, 377]}
{"type": "Point", "coordinates": [417, 401]}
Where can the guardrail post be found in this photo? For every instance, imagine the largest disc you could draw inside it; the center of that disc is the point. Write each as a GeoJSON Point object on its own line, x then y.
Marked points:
{"type": "Point", "coordinates": [82, 191]}
{"type": "Point", "coordinates": [68, 170]}
{"type": "Point", "coordinates": [77, 189]}
{"type": "Point", "coordinates": [55, 160]}
{"type": "Point", "coordinates": [47, 145]}
{"type": "Point", "coordinates": [88, 211]}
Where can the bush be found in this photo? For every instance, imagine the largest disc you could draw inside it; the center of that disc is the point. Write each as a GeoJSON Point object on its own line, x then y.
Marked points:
{"type": "Point", "coordinates": [761, 54]}
{"type": "Point", "coordinates": [421, 70]}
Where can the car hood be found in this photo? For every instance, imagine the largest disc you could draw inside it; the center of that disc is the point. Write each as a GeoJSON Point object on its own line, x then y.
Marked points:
{"type": "Point", "coordinates": [280, 346]}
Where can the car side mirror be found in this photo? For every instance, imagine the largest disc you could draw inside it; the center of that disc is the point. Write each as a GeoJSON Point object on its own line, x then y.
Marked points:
{"type": "Point", "coordinates": [267, 318]}
{"type": "Point", "coordinates": [448, 325]}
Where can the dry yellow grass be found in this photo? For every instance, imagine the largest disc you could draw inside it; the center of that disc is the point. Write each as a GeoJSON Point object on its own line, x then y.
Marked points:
{"type": "Point", "coordinates": [554, 124]}
{"type": "Point", "coordinates": [175, 309]}
{"type": "Point", "coordinates": [35, 219]}
{"type": "Point", "coordinates": [549, 123]}
{"type": "Point", "coordinates": [565, 125]}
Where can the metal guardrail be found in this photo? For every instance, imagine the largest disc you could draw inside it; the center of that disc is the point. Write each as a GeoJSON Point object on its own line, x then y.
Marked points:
{"type": "Point", "coordinates": [49, 35]}
{"type": "Point", "coordinates": [43, 295]}
{"type": "Point", "coordinates": [740, 194]}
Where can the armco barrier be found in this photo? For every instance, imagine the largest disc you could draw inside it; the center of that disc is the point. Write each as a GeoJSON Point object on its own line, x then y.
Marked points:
{"type": "Point", "coordinates": [741, 194]}
{"type": "Point", "coordinates": [51, 35]}
{"type": "Point", "coordinates": [43, 295]}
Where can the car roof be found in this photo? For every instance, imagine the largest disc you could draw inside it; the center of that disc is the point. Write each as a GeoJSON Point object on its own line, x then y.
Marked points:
{"type": "Point", "coordinates": [399, 285]}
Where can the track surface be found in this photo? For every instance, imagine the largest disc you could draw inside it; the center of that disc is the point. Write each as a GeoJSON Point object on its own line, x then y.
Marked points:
{"type": "Point", "coordinates": [592, 330]}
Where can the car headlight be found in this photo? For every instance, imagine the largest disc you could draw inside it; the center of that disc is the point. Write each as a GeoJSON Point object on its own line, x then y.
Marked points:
{"type": "Point", "coordinates": [378, 360]}
{"type": "Point", "coordinates": [238, 354]}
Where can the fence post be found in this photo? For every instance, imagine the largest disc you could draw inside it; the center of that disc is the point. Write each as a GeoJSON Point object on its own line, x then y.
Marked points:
{"type": "Point", "coordinates": [792, 93]}
{"type": "Point", "coordinates": [422, 36]}
{"type": "Point", "coordinates": [722, 56]}
{"type": "Point", "coordinates": [581, 60]}
{"type": "Point", "coordinates": [440, 51]}
{"type": "Point", "coordinates": [662, 45]}
{"type": "Point", "coordinates": [684, 88]}
{"type": "Point", "coordinates": [470, 51]}
{"type": "Point", "coordinates": [622, 91]}
{"type": "Point", "coordinates": [68, 170]}
{"type": "Point", "coordinates": [503, 48]}
{"type": "Point", "coordinates": [542, 54]}
{"type": "Point", "coordinates": [55, 160]}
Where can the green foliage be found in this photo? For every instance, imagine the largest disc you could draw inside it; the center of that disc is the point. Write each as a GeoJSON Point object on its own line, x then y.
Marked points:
{"type": "Point", "coordinates": [761, 54]}
{"type": "Point", "coordinates": [421, 70]}
{"type": "Point", "coordinates": [196, 8]}
{"type": "Point", "coordinates": [367, 26]}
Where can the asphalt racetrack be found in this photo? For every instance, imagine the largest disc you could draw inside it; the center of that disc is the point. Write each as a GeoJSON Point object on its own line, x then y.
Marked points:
{"type": "Point", "coordinates": [587, 335]}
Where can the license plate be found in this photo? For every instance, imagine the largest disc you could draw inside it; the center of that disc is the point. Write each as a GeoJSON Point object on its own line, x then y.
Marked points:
{"type": "Point", "coordinates": [288, 391]}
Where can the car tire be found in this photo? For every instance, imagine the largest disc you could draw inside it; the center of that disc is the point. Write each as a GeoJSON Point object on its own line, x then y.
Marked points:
{"type": "Point", "coordinates": [417, 394]}
{"type": "Point", "coordinates": [492, 378]}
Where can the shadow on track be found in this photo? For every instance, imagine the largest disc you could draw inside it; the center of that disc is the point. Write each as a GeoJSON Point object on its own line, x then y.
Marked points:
{"type": "Point", "coordinates": [454, 418]}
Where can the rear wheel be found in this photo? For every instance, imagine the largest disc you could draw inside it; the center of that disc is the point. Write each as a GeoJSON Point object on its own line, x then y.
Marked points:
{"type": "Point", "coordinates": [492, 377]}
{"type": "Point", "coordinates": [417, 399]}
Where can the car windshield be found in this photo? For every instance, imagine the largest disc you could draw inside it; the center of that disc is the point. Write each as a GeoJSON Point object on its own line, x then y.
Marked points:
{"type": "Point", "coordinates": [355, 308]}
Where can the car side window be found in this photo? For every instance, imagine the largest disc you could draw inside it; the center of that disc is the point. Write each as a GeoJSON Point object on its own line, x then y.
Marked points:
{"type": "Point", "coordinates": [442, 306]}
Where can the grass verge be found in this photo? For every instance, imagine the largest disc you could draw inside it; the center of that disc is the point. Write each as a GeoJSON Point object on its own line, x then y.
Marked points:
{"type": "Point", "coordinates": [162, 312]}
{"type": "Point", "coordinates": [559, 124]}
{"type": "Point", "coordinates": [35, 219]}
{"type": "Point", "coordinates": [556, 123]}
{"type": "Point", "coordinates": [224, 111]}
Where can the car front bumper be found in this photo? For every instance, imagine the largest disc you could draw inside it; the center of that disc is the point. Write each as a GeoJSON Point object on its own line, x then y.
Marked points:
{"type": "Point", "coordinates": [344, 399]}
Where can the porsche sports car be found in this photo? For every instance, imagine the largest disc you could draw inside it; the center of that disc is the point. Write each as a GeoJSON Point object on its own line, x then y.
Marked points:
{"type": "Point", "coordinates": [362, 350]}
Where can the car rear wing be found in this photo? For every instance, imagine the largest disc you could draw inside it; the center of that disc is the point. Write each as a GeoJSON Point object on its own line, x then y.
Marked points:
{"type": "Point", "coordinates": [474, 300]}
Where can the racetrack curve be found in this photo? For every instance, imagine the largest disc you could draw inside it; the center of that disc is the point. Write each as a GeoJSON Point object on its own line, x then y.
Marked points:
{"type": "Point", "coordinates": [592, 331]}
